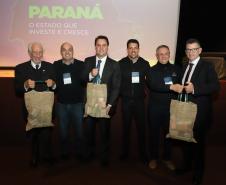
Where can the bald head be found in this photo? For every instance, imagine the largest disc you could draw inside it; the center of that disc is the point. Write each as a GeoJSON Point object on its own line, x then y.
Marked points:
{"type": "Point", "coordinates": [67, 52]}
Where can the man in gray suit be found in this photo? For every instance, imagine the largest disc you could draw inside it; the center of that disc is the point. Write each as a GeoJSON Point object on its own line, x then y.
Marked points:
{"type": "Point", "coordinates": [108, 72]}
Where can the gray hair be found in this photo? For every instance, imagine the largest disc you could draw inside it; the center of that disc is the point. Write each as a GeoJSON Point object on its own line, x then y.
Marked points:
{"type": "Point", "coordinates": [162, 46]}
{"type": "Point", "coordinates": [33, 43]}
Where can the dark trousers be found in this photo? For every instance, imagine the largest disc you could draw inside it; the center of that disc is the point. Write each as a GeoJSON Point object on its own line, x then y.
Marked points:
{"type": "Point", "coordinates": [195, 152]}
{"type": "Point", "coordinates": [70, 115]}
{"type": "Point", "coordinates": [133, 108]}
{"type": "Point", "coordinates": [158, 129]}
{"type": "Point", "coordinates": [104, 126]}
{"type": "Point", "coordinates": [41, 143]}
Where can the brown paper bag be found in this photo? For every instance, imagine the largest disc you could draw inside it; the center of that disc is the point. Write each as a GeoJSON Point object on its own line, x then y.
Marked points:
{"type": "Point", "coordinates": [96, 101]}
{"type": "Point", "coordinates": [39, 106]}
{"type": "Point", "coordinates": [182, 119]}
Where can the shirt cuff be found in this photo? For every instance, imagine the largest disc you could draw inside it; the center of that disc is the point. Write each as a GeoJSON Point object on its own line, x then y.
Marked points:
{"type": "Point", "coordinates": [90, 77]}
{"type": "Point", "coordinates": [26, 89]}
{"type": "Point", "coordinates": [54, 87]}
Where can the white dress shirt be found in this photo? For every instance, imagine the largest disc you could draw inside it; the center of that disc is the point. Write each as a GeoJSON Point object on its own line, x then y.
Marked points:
{"type": "Point", "coordinates": [194, 62]}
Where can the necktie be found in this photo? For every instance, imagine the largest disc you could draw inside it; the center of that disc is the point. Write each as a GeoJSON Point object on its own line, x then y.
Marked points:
{"type": "Point", "coordinates": [188, 73]}
{"type": "Point", "coordinates": [36, 67]}
{"type": "Point", "coordinates": [98, 64]}
{"type": "Point", "coordinates": [97, 78]}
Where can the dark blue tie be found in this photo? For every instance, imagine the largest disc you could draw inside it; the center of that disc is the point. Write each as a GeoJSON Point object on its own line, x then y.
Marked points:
{"type": "Point", "coordinates": [97, 78]}
{"type": "Point", "coordinates": [98, 64]}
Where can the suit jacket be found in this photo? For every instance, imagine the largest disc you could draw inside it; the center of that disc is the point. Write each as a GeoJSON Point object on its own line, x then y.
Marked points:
{"type": "Point", "coordinates": [111, 76]}
{"type": "Point", "coordinates": [25, 71]}
{"type": "Point", "coordinates": [205, 81]}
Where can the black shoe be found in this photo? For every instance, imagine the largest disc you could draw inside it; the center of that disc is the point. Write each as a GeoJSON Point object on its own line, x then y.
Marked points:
{"type": "Point", "coordinates": [104, 163]}
{"type": "Point", "coordinates": [78, 157]}
{"type": "Point", "coordinates": [49, 161]}
{"type": "Point", "coordinates": [144, 160]}
{"type": "Point", "coordinates": [65, 157]}
{"type": "Point", "coordinates": [34, 163]}
{"type": "Point", "coordinates": [182, 171]}
{"type": "Point", "coordinates": [83, 159]}
{"type": "Point", "coordinates": [88, 158]}
{"type": "Point", "coordinates": [123, 157]}
{"type": "Point", "coordinates": [197, 180]}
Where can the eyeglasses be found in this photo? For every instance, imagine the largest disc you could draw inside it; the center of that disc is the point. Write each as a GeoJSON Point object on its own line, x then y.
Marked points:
{"type": "Point", "coordinates": [191, 50]}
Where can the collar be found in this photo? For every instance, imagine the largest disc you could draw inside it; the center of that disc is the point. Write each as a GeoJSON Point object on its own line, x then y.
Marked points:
{"type": "Point", "coordinates": [134, 60]}
{"type": "Point", "coordinates": [103, 60]}
{"type": "Point", "coordinates": [34, 64]}
{"type": "Point", "coordinates": [71, 62]}
{"type": "Point", "coordinates": [166, 64]}
{"type": "Point", "coordinates": [195, 61]}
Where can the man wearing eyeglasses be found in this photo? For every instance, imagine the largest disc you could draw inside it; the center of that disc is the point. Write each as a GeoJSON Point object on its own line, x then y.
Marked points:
{"type": "Point", "coordinates": [200, 82]}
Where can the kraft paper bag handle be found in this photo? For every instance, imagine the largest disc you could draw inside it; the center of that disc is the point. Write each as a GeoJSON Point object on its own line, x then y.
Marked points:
{"type": "Point", "coordinates": [180, 96]}
{"type": "Point", "coordinates": [42, 82]}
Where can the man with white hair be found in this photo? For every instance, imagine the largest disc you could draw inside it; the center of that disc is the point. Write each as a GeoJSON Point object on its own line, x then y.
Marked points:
{"type": "Point", "coordinates": [37, 75]}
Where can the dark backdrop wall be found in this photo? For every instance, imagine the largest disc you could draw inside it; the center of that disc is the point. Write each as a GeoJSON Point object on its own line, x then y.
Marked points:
{"type": "Point", "coordinates": [204, 20]}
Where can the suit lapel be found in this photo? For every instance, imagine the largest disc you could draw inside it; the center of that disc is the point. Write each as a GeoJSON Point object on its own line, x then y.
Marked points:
{"type": "Point", "coordinates": [184, 67]}
{"type": "Point", "coordinates": [196, 72]}
{"type": "Point", "coordinates": [106, 71]}
{"type": "Point", "coordinates": [93, 65]}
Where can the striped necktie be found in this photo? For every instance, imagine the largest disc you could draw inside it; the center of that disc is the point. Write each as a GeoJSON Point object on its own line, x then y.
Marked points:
{"type": "Point", "coordinates": [188, 73]}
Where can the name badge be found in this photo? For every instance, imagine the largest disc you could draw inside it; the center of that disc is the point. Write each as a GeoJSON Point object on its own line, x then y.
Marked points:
{"type": "Point", "coordinates": [135, 77]}
{"type": "Point", "coordinates": [67, 78]}
{"type": "Point", "coordinates": [168, 80]}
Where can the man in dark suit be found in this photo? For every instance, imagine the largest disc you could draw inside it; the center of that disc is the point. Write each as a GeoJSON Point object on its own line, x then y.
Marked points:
{"type": "Point", "coordinates": [108, 71]}
{"type": "Point", "coordinates": [200, 82]}
{"type": "Point", "coordinates": [27, 75]}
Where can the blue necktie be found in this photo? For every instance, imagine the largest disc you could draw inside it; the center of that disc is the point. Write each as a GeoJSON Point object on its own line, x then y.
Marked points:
{"type": "Point", "coordinates": [97, 78]}
{"type": "Point", "coordinates": [98, 64]}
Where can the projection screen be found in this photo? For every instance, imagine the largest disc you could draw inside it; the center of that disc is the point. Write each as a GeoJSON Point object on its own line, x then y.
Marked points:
{"type": "Point", "coordinates": [52, 22]}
